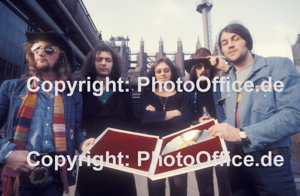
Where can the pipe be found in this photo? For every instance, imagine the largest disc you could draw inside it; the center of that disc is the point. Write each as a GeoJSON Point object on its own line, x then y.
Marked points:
{"type": "Point", "coordinates": [35, 7]}
{"type": "Point", "coordinates": [70, 18]}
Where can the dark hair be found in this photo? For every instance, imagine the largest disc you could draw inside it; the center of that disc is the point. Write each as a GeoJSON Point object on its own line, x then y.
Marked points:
{"type": "Point", "coordinates": [89, 69]}
{"type": "Point", "coordinates": [151, 72]}
{"type": "Point", "coordinates": [194, 77]}
{"type": "Point", "coordinates": [239, 30]}
{"type": "Point", "coordinates": [63, 70]}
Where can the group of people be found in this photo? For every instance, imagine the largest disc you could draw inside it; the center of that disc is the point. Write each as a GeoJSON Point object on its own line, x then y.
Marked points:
{"type": "Point", "coordinates": [252, 123]}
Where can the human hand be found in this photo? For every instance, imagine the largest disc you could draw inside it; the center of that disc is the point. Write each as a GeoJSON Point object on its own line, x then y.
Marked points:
{"type": "Point", "coordinates": [204, 118]}
{"type": "Point", "coordinates": [218, 62]}
{"type": "Point", "coordinates": [172, 114]}
{"type": "Point", "coordinates": [17, 161]}
{"type": "Point", "coordinates": [228, 132]}
{"type": "Point", "coordinates": [87, 143]}
{"type": "Point", "coordinates": [150, 108]}
{"type": "Point", "coordinates": [176, 113]}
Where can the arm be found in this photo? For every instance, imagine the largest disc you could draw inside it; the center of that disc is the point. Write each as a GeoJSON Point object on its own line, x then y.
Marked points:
{"type": "Point", "coordinates": [14, 159]}
{"type": "Point", "coordinates": [149, 116]}
{"type": "Point", "coordinates": [79, 137]}
{"type": "Point", "coordinates": [186, 110]}
{"type": "Point", "coordinates": [131, 120]}
{"type": "Point", "coordinates": [285, 122]}
{"type": "Point", "coordinates": [219, 63]}
{"type": "Point", "coordinates": [4, 102]}
{"type": "Point", "coordinates": [5, 145]}
{"type": "Point", "coordinates": [169, 114]}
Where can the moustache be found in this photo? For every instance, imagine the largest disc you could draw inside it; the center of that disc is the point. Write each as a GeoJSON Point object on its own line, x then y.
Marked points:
{"type": "Point", "coordinates": [42, 59]}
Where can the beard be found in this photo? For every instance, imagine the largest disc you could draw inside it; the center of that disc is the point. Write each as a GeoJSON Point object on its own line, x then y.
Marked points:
{"type": "Point", "coordinates": [46, 67]}
{"type": "Point", "coordinates": [243, 55]}
{"type": "Point", "coordinates": [240, 59]}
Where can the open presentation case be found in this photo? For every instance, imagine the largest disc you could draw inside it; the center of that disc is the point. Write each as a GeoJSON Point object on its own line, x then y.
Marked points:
{"type": "Point", "coordinates": [181, 152]}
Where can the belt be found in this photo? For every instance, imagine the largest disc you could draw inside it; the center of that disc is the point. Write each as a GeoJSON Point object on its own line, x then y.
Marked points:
{"type": "Point", "coordinates": [36, 176]}
{"type": "Point", "coordinates": [282, 150]}
{"type": "Point", "coordinates": [39, 174]}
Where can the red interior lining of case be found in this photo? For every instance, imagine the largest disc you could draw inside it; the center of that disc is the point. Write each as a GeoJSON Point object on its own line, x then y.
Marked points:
{"type": "Point", "coordinates": [129, 144]}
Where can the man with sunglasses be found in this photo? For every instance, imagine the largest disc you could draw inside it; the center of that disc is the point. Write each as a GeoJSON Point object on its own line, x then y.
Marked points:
{"type": "Point", "coordinates": [205, 108]}
{"type": "Point", "coordinates": [40, 121]}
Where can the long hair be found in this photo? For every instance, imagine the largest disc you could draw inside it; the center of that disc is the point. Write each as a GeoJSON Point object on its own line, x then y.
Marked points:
{"type": "Point", "coordinates": [194, 77]}
{"type": "Point", "coordinates": [239, 30]}
{"type": "Point", "coordinates": [89, 70]}
{"type": "Point", "coordinates": [64, 68]}
{"type": "Point", "coordinates": [151, 73]}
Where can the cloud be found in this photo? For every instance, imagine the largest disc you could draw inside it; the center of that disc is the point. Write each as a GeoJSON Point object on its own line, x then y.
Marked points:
{"type": "Point", "coordinates": [273, 48]}
{"type": "Point", "coordinates": [287, 32]}
{"type": "Point", "coordinates": [171, 8]}
{"type": "Point", "coordinates": [159, 21]}
{"type": "Point", "coordinates": [167, 10]}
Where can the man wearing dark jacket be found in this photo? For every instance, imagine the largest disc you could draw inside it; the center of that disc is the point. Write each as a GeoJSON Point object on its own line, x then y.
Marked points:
{"type": "Point", "coordinates": [205, 108]}
{"type": "Point", "coordinates": [111, 109]}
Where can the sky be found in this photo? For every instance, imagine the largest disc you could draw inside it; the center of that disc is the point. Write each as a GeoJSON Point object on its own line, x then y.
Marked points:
{"type": "Point", "coordinates": [273, 24]}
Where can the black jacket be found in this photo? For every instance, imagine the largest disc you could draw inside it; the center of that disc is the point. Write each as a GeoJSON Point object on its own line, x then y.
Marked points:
{"type": "Point", "coordinates": [155, 122]}
{"type": "Point", "coordinates": [116, 113]}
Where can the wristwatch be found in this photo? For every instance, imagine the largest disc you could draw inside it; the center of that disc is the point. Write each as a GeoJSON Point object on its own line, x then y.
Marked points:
{"type": "Point", "coordinates": [243, 135]}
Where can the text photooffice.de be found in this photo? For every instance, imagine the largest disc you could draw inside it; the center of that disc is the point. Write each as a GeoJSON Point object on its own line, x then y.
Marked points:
{"type": "Point", "coordinates": [97, 86]}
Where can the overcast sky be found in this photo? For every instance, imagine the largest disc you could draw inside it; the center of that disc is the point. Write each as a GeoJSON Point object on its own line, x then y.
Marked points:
{"type": "Point", "coordinates": [273, 24]}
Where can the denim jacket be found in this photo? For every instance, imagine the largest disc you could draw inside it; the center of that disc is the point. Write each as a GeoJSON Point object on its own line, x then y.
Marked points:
{"type": "Point", "coordinates": [268, 118]}
{"type": "Point", "coordinates": [11, 94]}
{"type": "Point", "coordinates": [217, 95]}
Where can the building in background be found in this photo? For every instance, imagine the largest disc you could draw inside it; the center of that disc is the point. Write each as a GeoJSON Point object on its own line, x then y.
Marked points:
{"type": "Point", "coordinates": [68, 17]}
{"type": "Point", "coordinates": [296, 53]}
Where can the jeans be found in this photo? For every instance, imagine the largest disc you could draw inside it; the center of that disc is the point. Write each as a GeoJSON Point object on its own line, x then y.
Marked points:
{"type": "Point", "coordinates": [178, 186]}
{"type": "Point", "coordinates": [48, 188]}
{"type": "Point", "coordinates": [107, 182]}
{"type": "Point", "coordinates": [263, 181]}
{"type": "Point", "coordinates": [205, 181]}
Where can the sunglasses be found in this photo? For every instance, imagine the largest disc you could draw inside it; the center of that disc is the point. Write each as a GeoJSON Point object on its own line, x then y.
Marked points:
{"type": "Point", "coordinates": [49, 49]}
{"type": "Point", "coordinates": [165, 70]}
{"type": "Point", "coordinates": [199, 65]}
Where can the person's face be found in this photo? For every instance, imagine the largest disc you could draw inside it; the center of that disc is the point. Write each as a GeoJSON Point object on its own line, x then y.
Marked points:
{"type": "Point", "coordinates": [103, 63]}
{"type": "Point", "coordinates": [234, 47]}
{"type": "Point", "coordinates": [202, 70]}
{"type": "Point", "coordinates": [45, 56]}
{"type": "Point", "coordinates": [162, 72]}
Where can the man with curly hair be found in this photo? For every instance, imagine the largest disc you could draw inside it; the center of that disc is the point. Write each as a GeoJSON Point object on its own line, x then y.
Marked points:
{"type": "Point", "coordinates": [38, 120]}
{"type": "Point", "coordinates": [112, 108]}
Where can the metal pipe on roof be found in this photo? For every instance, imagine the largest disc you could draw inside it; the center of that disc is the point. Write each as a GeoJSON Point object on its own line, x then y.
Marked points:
{"type": "Point", "coordinates": [34, 6]}
{"type": "Point", "coordinates": [70, 18]}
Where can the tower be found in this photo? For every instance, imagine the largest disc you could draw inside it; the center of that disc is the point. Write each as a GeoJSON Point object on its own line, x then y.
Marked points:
{"type": "Point", "coordinates": [160, 53]}
{"type": "Point", "coordinates": [296, 53]}
{"type": "Point", "coordinates": [179, 58]}
{"type": "Point", "coordinates": [204, 8]}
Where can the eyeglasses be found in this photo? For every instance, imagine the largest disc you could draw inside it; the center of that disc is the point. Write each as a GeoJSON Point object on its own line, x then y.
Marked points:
{"type": "Point", "coordinates": [199, 65]}
{"type": "Point", "coordinates": [49, 49]}
{"type": "Point", "coordinates": [165, 70]}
